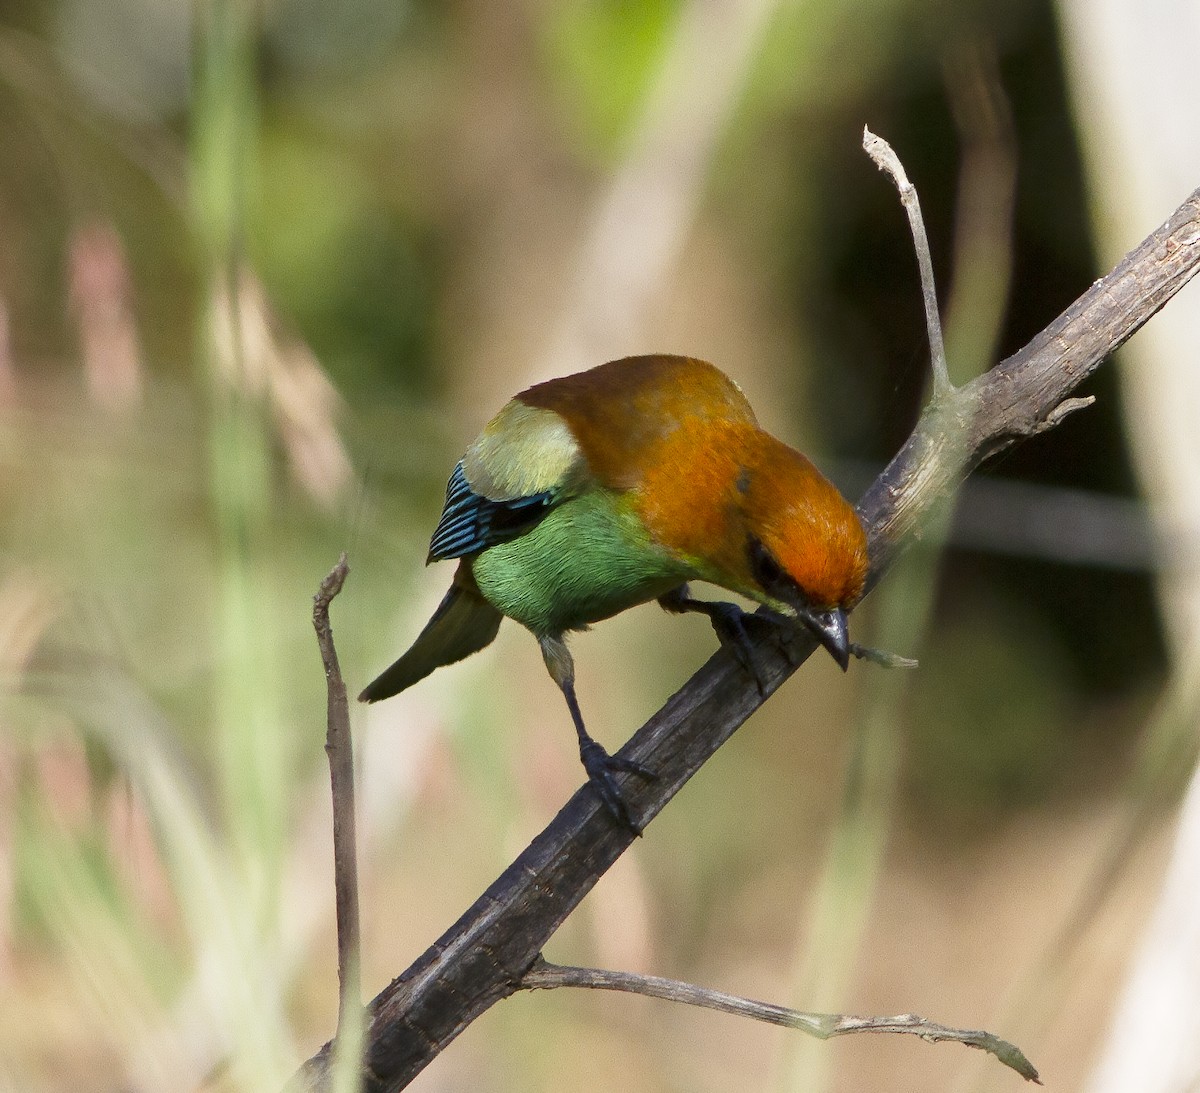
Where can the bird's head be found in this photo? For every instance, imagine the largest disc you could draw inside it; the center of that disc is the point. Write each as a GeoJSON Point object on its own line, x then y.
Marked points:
{"type": "Point", "coordinates": [805, 548]}
{"type": "Point", "coordinates": [751, 514]}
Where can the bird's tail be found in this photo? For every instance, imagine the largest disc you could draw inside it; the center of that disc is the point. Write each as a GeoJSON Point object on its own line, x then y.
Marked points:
{"type": "Point", "coordinates": [463, 624]}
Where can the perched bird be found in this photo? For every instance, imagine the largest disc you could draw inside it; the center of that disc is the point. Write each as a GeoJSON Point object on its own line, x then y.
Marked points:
{"type": "Point", "coordinates": [594, 492]}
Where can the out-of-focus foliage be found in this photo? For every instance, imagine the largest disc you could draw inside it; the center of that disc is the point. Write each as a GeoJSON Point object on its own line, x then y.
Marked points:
{"type": "Point", "coordinates": [991, 756]}
{"type": "Point", "coordinates": [601, 59]}
{"type": "Point", "coordinates": [266, 269]}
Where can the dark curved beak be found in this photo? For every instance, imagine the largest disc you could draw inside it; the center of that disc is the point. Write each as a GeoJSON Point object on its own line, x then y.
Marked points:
{"type": "Point", "coordinates": [830, 629]}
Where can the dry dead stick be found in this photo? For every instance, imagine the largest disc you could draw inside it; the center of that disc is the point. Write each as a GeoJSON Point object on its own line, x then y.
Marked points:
{"type": "Point", "coordinates": [340, 749]}
{"type": "Point", "coordinates": [824, 1026]}
{"type": "Point", "coordinates": [886, 160]}
{"type": "Point", "coordinates": [486, 955]}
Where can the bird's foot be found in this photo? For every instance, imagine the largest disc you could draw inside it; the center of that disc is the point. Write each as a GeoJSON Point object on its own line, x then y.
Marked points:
{"type": "Point", "coordinates": [601, 767]}
{"type": "Point", "coordinates": [734, 628]}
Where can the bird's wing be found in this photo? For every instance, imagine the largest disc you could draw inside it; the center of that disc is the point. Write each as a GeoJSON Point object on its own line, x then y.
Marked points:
{"type": "Point", "coordinates": [524, 463]}
{"type": "Point", "coordinates": [622, 414]}
{"type": "Point", "coordinates": [471, 522]}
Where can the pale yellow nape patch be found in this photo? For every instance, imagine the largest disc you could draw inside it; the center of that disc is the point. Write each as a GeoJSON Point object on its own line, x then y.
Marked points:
{"type": "Point", "coordinates": [524, 450]}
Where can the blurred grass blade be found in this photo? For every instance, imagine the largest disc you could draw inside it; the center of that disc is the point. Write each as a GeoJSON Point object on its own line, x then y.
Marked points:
{"type": "Point", "coordinates": [242, 990]}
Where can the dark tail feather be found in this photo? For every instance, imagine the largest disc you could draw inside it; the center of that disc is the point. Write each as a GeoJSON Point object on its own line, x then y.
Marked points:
{"type": "Point", "coordinates": [463, 624]}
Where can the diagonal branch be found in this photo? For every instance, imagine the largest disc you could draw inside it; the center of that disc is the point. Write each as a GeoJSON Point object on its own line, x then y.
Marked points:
{"type": "Point", "coordinates": [485, 955]}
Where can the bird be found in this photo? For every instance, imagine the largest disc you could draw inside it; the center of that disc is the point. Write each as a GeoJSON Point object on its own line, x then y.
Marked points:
{"type": "Point", "coordinates": [594, 492]}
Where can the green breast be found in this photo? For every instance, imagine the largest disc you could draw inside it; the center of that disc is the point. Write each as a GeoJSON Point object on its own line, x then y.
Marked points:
{"type": "Point", "coordinates": [588, 559]}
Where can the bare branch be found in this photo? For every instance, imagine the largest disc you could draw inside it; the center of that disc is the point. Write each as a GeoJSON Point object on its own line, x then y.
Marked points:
{"type": "Point", "coordinates": [887, 161]}
{"type": "Point", "coordinates": [340, 749]}
{"type": "Point", "coordinates": [824, 1026]}
{"type": "Point", "coordinates": [485, 955]}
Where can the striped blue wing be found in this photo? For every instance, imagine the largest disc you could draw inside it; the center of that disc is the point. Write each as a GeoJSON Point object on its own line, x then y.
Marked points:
{"type": "Point", "coordinates": [471, 523]}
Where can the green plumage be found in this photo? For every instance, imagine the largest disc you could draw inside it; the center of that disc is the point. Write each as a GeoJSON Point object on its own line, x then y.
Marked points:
{"type": "Point", "coordinates": [588, 559]}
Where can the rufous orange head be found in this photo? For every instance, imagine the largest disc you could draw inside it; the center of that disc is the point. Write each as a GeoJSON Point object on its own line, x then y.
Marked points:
{"type": "Point", "coordinates": [805, 545]}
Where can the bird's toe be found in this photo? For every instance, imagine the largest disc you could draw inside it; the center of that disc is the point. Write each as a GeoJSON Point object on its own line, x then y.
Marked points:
{"type": "Point", "coordinates": [601, 767]}
{"type": "Point", "coordinates": [733, 628]}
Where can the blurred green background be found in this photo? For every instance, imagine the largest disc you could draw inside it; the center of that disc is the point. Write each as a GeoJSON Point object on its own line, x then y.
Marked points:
{"type": "Point", "coordinates": [267, 268]}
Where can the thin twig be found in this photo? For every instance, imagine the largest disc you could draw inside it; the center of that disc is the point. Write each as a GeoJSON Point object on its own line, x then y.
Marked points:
{"type": "Point", "coordinates": [824, 1026]}
{"type": "Point", "coordinates": [340, 749]}
{"type": "Point", "coordinates": [887, 161]}
{"type": "Point", "coordinates": [882, 657]}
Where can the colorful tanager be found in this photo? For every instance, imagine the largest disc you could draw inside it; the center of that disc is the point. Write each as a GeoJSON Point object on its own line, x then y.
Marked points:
{"type": "Point", "coordinates": [591, 493]}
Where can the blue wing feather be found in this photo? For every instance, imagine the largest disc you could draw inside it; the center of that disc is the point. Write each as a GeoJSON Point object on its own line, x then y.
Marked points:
{"type": "Point", "coordinates": [471, 523]}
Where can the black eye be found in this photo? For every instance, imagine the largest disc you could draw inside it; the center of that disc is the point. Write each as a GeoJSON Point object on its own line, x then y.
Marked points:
{"type": "Point", "coordinates": [768, 572]}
